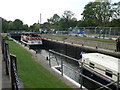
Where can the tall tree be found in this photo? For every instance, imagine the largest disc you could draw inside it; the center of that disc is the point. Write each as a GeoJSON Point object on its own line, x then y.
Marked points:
{"type": "Point", "coordinates": [25, 27]}
{"type": "Point", "coordinates": [35, 27]}
{"type": "Point", "coordinates": [116, 9]}
{"type": "Point", "coordinates": [67, 17]}
{"type": "Point", "coordinates": [4, 25]}
{"type": "Point", "coordinates": [97, 13]}
{"type": "Point", "coordinates": [54, 20]}
{"type": "Point", "coordinates": [18, 24]}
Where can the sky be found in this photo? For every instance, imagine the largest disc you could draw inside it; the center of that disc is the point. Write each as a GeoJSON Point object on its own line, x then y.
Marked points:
{"type": "Point", "coordinates": [29, 10]}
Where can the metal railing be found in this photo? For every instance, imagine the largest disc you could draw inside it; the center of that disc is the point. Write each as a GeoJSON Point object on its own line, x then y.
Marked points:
{"type": "Point", "coordinates": [80, 72]}
{"type": "Point", "coordinates": [11, 66]}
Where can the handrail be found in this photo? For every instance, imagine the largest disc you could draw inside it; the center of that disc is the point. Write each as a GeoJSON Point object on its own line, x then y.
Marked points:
{"type": "Point", "coordinates": [11, 66]}
{"type": "Point", "coordinates": [103, 86]}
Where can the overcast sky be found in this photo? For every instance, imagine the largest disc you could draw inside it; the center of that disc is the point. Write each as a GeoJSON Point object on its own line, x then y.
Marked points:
{"type": "Point", "coordinates": [29, 10]}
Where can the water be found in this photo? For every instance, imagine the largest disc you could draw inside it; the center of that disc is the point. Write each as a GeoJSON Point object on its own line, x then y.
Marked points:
{"type": "Point", "coordinates": [70, 67]}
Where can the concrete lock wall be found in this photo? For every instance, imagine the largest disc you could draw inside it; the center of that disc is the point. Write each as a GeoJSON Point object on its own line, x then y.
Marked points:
{"type": "Point", "coordinates": [74, 50]}
{"type": "Point", "coordinates": [67, 49]}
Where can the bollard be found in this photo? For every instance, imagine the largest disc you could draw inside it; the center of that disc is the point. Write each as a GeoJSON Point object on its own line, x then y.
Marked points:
{"type": "Point", "coordinates": [96, 47]}
{"type": "Point", "coordinates": [47, 58]}
{"type": "Point", "coordinates": [82, 44]}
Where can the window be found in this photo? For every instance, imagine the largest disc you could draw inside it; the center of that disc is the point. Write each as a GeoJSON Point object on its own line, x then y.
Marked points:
{"type": "Point", "coordinates": [91, 65]}
{"type": "Point", "coordinates": [108, 73]}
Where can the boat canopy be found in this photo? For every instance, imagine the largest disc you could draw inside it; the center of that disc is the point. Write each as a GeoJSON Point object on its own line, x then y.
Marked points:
{"type": "Point", "coordinates": [104, 60]}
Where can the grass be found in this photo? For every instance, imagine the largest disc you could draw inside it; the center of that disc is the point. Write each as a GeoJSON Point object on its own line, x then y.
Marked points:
{"type": "Point", "coordinates": [4, 34]}
{"type": "Point", "coordinates": [53, 35]}
{"type": "Point", "coordinates": [33, 74]}
{"type": "Point", "coordinates": [85, 38]}
{"type": "Point", "coordinates": [95, 39]}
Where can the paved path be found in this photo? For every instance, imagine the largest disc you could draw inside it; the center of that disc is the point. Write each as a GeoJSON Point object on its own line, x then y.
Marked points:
{"type": "Point", "coordinates": [4, 79]}
{"type": "Point", "coordinates": [0, 65]}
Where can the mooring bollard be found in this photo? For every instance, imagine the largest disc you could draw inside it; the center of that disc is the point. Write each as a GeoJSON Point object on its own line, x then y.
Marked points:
{"type": "Point", "coordinates": [47, 58]}
{"type": "Point", "coordinates": [96, 47]}
{"type": "Point", "coordinates": [82, 44]}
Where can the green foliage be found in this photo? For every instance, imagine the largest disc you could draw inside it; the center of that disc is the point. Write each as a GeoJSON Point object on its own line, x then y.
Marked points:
{"type": "Point", "coordinates": [33, 74]}
{"type": "Point", "coordinates": [18, 24]}
{"type": "Point", "coordinates": [68, 20]}
{"type": "Point", "coordinates": [35, 27]}
{"type": "Point", "coordinates": [97, 13]}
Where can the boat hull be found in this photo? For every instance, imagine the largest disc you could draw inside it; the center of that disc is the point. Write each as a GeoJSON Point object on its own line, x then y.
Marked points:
{"type": "Point", "coordinates": [97, 77]}
{"type": "Point", "coordinates": [33, 45]}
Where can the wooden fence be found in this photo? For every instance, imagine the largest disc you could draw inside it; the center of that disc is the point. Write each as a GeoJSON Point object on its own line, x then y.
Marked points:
{"type": "Point", "coordinates": [11, 66]}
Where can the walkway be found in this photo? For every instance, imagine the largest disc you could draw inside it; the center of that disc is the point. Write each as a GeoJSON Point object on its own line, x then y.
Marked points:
{"type": "Point", "coordinates": [42, 60]}
{"type": "Point", "coordinates": [4, 79]}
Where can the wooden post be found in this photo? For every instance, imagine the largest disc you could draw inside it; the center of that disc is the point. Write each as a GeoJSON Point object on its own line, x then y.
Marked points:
{"type": "Point", "coordinates": [6, 58]}
{"type": "Point", "coordinates": [13, 77]}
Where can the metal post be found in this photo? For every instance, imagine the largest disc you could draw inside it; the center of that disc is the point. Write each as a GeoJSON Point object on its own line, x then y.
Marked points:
{"type": "Point", "coordinates": [62, 67]}
{"type": "Point", "coordinates": [95, 31]}
{"type": "Point", "coordinates": [118, 78]}
{"type": "Point", "coordinates": [65, 49]}
{"type": "Point", "coordinates": [81, 69]}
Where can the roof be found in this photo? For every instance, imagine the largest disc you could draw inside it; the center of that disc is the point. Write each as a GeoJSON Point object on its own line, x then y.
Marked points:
{"type": "Point", "coordinates": [104, 60]}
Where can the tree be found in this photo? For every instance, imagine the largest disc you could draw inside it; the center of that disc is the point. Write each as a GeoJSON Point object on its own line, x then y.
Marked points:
{"type": "Point", "coordinates": [25, 27]}
{"type": "Point", "coordinates": [35, 27]}
{"type": "Point", "coordinates": [11, 25]}
{"type": "Point", "coordinates": [54, 20]}
{"type": "Point", "coordinates": [116, 9]}
{"type": "Point", "coordinates": [81, 23]}
{"type": "Point", "coordinates": [67, 17]}
{"type": "Point", "coordinates": [97, 13]}
{"type": "Point", "coordinates": [18, 24]}
{"type": "Point", "coordinates": [4, 25]}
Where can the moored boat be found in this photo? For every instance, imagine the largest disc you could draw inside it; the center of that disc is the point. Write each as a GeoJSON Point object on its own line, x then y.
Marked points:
{"type": "Point", "coordinates": [30, 38]}
{"type": "Point", "coordinates": [102, 68]}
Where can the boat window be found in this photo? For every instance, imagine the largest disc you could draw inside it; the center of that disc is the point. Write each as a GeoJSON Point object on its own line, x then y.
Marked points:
{"type": "Point", "coordinates": [108, 73]}
{"type": "Point", "coordinates": [91, 65]}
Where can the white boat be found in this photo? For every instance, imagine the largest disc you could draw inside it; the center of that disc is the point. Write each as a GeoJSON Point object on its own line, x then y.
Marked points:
{"type": "Point", "coordinates": [29, 38]}
{"type": "Point", "coordinates": [102, 68]}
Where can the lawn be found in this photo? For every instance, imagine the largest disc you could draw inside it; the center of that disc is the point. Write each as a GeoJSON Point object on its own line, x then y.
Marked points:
{"type": "Point", "coordinates": [53, 35]}
{"type": "Point", "coordinates": [33, 74]}
{"type": "Point", "coordinates": [95, 39]}
{"type": "Point", "coordinates": [83, 38]}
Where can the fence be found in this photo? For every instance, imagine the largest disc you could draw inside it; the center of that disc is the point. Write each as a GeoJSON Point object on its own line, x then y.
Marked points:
{"type": "Point", "coordinates": [80, 71]}
{"type": "Point", "coordinates": [101, 32]}
{"type": "Point", "coordinates": [11, 66]}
